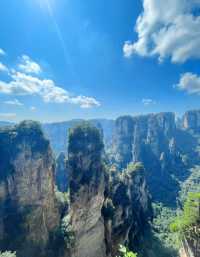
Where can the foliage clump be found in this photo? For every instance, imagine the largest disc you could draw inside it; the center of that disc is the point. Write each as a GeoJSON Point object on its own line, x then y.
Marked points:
{"type": "Point", "coordinates": [67, 232]}
{"type": "Point", "coordinates": [7, 254]}
{"type": "Point", "coordinates": [62, 199]}
{"type": "Point", "coordinates": [125, 252]}
{"type": "Point", "coordinates": [86, 138]}
{"type": "Point", "coordinates": [188, 223]}
{"type": "Point", "coordinates": [133, 168]}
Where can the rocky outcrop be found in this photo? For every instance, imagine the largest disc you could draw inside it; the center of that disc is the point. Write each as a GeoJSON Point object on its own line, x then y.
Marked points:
{"type": "Point", "coordinates": [127, 209]}
{"type": "Point", "coordinates": [28, 213]}
{"type": "Point", "coordinates": [61, 173]}
{"type": "Point", "coordinates": [150, 139]}
{"type": "Point", "coordinates": [87, 185]}
{"type": "Point", "coordinates": [190, 246]}
{"type": "Point", "coordinates": [107, 207]}
{"type": "Point", "coordinates": [136, 136]}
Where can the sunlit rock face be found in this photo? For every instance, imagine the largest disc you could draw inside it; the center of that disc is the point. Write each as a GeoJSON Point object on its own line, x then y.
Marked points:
{"type": "Point", "coordinates": [28, 213]}
{"type": "Point", "coordinates": [190, 248]}
{"type": "Point", "coordinates": [127, 208]}
{"type": "Point", "coordinates": [87, 185]}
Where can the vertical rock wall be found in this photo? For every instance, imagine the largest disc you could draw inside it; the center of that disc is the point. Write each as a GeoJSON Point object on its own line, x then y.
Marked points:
{"type": "Point", "coordinates": [28, 213]}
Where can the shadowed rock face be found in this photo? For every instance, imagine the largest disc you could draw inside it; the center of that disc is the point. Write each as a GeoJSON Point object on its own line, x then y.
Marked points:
{"type": "Point", "coordinates": [149, 139]}
{"type": "Point", "coordinates": [87, 184]}
{"type": "Point", "coordinates": [106, 208]}
{"type": "Point", "coordinates": [127, 208]}
{"type": "Point", "coordinates": [135, 135]}
{"type": "Point", "coordinates": [191, 120]}
{"type": "Point", "coordinates": [27, 207]}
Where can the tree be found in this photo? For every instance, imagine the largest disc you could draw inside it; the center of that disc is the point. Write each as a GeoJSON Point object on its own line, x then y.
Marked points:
{"type": "Point", "coordinates": [188, 223]}
{"type": "Point", "coordinates": [7, 254]}
{"type": "Point", "coordinates": [125, 252]}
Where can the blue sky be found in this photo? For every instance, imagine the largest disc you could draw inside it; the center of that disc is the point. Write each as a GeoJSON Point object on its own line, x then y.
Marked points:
{"type": "Point", "coordinates": [69, 59]}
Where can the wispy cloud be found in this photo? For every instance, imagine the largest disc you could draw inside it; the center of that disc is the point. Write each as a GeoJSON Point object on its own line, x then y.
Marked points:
{"type": "Point", "coordinates": [84, 101]}
{"type": "Point", "coordinates": [7, 115]}
{"type": "Point", "coordinates": [2, 52]}
{"type": "Point", "coordinates": [27, 65]}
{"type": "Point", "coordinates": [3, 67]}
{"type": "Point", "coordinates": [33, 108]}
{"type": "Point", "coordinates": [15, 102]}
{"type": "Point", "coordinates": [173, 33]}
{"type": "Point", "coordinates": [28, 83]}
{"type": "Point", "coordinates": [190, 83]}
{"type": "Point", "coordinates": [148, 101]}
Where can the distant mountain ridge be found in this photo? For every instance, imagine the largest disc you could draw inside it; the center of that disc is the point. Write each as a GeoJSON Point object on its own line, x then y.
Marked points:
{"type": "Point", "coordinates": [58, 132]}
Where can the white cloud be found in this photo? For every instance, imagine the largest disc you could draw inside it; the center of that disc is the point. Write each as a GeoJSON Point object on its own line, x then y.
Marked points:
{"type": "Point", "coordinates": [28, 83]}
{"type": "Point", "coordinates": [3, 67]}
{"type": "Point", "coordinates": [7, 115]}
{"type": "Point", "coordinates": [33, 108]}
{"type": "Point", "coordinates": [190, 83]}
{"type": "Point", "coordinates": [84, 101]}
{"type": "Point", "coordinates": [29, 66]}
{"type": "Point", "coordinates": [148, 101]}
{"type": "Point", "coordinates": [23, 84]}
{"type": "Point", "coordinates": [15, 102]}
{"type": "Point", "coordinates": [2, 52]}
{"type": "Point", "coordinates": [167, 28]}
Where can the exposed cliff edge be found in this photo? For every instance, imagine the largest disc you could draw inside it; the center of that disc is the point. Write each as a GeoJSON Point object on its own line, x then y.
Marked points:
{"type": "Point", "coordinates": [28, 213]}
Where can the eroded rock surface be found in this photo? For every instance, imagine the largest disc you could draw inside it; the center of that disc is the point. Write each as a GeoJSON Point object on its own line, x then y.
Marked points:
{"type": "Point", "coordinates": [87, 185]}
{"type": "Point", "coordinates": [28, 213]}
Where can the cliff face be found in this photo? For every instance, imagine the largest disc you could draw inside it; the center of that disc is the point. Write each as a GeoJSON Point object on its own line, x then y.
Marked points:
{"type": "Point", "coordinates": [27, 204]}
{"type": "Point", "coordinates": [87, 185]}
{"type": "Point", "coordinates": [107, 207]}
{"type": "Point", "coordinates": [149, 139]}
{"type": "Point", "coordinates": [136, 136]}
{"type": "Point", "coordinates": [126, 209]}
{"type": "Point", "coordinates": [191, 120]}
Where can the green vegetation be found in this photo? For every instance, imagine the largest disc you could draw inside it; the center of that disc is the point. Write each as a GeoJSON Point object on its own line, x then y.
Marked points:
{"type": "Point", "coordinates": [86, 138]}
{"type": "Point", "coordinates": [160, 241]}
{"type": "Point", "coordinates": [164, 216]}
{"type": "Point", "coordinates": [188, 223]}
{"type": "Point", "coordinates": [67, 232]}
{"type": "Point", "coordinates": [62, 197]}
{"type": "Point", "coordinates": [132, 168]}
{"type": "Point", "coordinates": [7, 254]}
{"type": "Point", "coordinates": [125, 252]}
{"type": "Point", "coordinates": [192, 184]}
